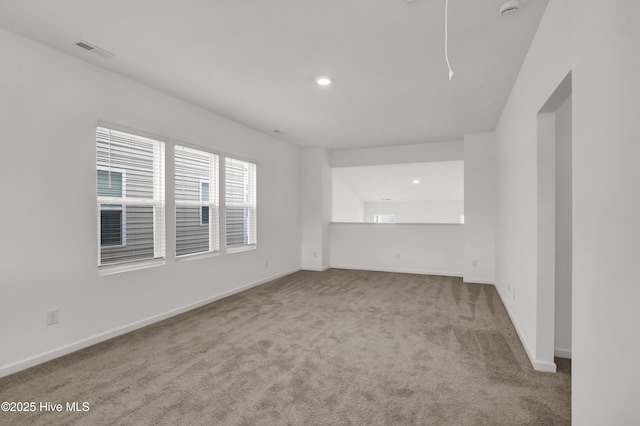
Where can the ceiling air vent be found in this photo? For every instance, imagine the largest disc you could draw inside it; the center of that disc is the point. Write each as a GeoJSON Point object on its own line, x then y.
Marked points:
{"type": "Point", "coordinates": [93, 49]}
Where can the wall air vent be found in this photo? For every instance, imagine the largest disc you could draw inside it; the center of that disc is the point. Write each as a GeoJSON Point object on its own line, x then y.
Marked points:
{"type": "Point", "coordinates": [93, 49]}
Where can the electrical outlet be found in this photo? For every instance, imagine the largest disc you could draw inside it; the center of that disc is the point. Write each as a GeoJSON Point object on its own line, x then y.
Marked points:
{"type": "Point", "coordinates": [315, 254]}
{"type": "Point", "coordinates": [266, 263]}
{"type": "Point", "coordinates": [474, 264]}
{"type": "Point", "coordinates": [397, 256]}
{"type": "Point", "coordinates": [53, 316]}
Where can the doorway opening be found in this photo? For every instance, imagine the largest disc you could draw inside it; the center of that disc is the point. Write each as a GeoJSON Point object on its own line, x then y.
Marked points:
{"type": "Point", "coordinates": [555, 227]}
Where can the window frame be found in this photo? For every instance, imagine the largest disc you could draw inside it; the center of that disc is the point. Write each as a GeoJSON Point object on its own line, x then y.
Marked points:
{"type": "Point", "coordinates": [214, 202]}
{"type": "Point", "coordinates": [158, 203]}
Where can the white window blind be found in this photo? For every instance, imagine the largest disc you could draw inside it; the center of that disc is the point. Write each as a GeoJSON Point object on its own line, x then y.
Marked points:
{"type": "Point", "coordinates": [130, 196]}
{"type": "Point", "coordinates": [196, 195]}
{"type": "Point", "coordinates": [240, 204]}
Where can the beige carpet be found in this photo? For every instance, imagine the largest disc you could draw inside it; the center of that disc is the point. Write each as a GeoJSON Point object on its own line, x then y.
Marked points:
{"type": "Point", "coordinates": [313, 348]}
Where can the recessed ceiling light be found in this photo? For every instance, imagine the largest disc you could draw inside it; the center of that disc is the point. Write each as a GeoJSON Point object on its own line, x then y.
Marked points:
{"type": "Point", "coordinates": [323, 81]}
{"type": "Point", "coordinates": [416, 181]}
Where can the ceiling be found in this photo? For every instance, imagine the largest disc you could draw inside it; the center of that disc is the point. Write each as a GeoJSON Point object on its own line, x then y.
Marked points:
{"type": "Point", "coordinates": [442, 180]}
{"type": "Point", "coordinates": [256, 61]}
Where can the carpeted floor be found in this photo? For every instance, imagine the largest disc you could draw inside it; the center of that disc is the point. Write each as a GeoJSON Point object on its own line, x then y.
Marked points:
{"type": "Point", "coordinates": [328, 348]}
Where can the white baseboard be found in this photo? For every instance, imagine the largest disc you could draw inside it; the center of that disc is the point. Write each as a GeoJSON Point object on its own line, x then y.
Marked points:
{"type": "Point", "coordinates": [101, 337]}
{"type": "Point", "coordinates": [562, 353]}
{"type": "Point", "coordinates": [399, 270]}
{"type": "Point", "coordinates": [324, 268]}
{"type": "Point", "coordinates": [474, 281]}
{"type": "Point", "coordinates": [547, 367]}
{"type": "Point", "coordinates": [544, 366]}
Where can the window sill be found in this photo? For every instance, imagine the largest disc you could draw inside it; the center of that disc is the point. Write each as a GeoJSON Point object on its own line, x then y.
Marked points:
{"type": "Point", "coordinates": [116, 269]}
{"type": "Point", "coordinates": [241, 248]}
{"type": "Point", "coordinates": [196, 256]}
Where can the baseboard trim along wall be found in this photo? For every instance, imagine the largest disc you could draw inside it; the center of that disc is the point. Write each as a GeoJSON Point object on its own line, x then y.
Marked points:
{"type": "Point", "coordinates": [547, 367]}
{"type": "Point", "coordinates": [562, 353]}
{"type": "Point", "coordinates": [84, 343]}
{"type": "Point", "coordinates": [399, 270]}
{"type": "Point", "coordinates": [316, 269]}
{"type": "Point", "coordinates": [474, 281]}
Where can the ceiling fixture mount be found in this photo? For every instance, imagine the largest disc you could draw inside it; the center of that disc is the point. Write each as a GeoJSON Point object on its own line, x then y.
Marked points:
{"type": "Point", "coordinates": [416, 181]}
{"type": "Point", "coordinates": [323, 81]}
{"type": "Point", "coordinates": [446, 37]}
{"type": "Point", "coordinates": [509, 8]}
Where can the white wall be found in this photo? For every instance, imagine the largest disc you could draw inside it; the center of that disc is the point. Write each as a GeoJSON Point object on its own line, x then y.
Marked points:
{"type": "Point", "coordinates": [419, 211]}
{"type": "Point", "coordinates": [347, 206]}
{"type": "Point", "coordinates": [480, 192]}
{"type": "Point", "coordinates": [316, 208]}
{"type": "Point", "coordinates": [546, 65]}
{"type": "Point", "coordinates": [420, 249]}
{"type": "Point", "coordinates": [419, 153]}
{"type": "Point", "coordinates": [49, 107]}
{"type": "Point", "coordinates": [598, 42]}
{"type": "Point", "coordinates": [606, 208]}
{"type": "Point", "coordinates": [563, 252]}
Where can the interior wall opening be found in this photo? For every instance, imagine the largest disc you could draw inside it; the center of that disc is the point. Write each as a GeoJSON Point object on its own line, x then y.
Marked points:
{"type": "Point", "coordinates": [555, 227]}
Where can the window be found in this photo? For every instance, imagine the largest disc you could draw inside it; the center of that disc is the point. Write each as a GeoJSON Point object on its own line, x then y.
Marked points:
{"type": "Point", "coordinates": [240, 205]}
{"type": "Point", "coordinates": [204, 210]}
{"type": "Point", "coordinates": [130, 197]}
{"type": "Point", "coordinates": [196, 194]}
{"type": "Point", "coordinates": [113, 217]}
{"type": "Point", "coordinates": [384, 218]}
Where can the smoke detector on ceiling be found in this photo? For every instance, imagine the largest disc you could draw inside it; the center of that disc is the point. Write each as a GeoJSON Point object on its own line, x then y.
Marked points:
{"type": "Point", "coordinates": [509, 8]}
{"type": "Point", "coordinates": [92, 48]}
